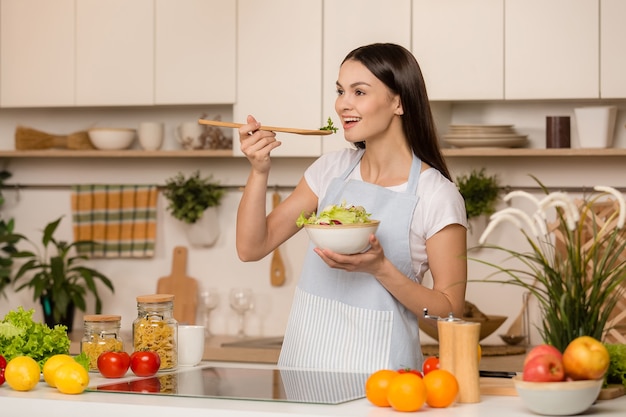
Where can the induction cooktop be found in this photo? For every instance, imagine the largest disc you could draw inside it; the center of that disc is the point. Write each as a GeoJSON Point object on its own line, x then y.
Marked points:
{"type": "Point", "coordinates": [263, 384]}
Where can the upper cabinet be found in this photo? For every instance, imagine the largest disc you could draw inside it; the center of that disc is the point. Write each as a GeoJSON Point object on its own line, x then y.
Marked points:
{"type": "Point", "coordinates": [377, 21]}
{"type": "Point", "coordinates": [37, 53]}
{"type": "Point", "coordinates": [612, 56]}
{"type": "Point", "coordinates": [114, 52]}
{"type": "Point", "coordinates": [552, 49]}
{"type": "Point", "coordinates": [195, 51]}
{"type": "Point", "coordinates": [460, 47]}
{"type": "Point", "coordinates": [279, 70]}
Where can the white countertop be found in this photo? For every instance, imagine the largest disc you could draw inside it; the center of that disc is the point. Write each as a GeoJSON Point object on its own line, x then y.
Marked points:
{"type": "Point", "coordinates": [44, 400]}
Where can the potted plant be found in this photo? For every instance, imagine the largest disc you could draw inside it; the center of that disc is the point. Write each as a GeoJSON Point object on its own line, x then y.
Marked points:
{"type": "Point", "coordinates": [480, 192]}
{"type": "Point", "coordinates": [58, 279]}
{"type": "Point", "coordinates": [194, 200]}
{"type": "Point", "coordinates": [8, 242]}
{"type": "Point", "coordinates": [575, 266]}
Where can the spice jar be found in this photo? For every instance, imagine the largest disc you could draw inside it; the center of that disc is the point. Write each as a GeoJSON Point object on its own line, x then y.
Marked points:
{"type": "Point", "coordinates": [102, 334]}
{"type": "Point", "coordinates": [156, 329]}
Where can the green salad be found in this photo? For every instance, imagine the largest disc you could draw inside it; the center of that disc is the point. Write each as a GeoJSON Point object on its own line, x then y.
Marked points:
{"type": "Point", "coordinates": [336, 214]}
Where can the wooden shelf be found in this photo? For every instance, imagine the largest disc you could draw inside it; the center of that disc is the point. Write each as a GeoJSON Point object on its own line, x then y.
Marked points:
{"type": "Point", "coordinates": [526, 152]}
{"type": "Point", "coordinates": [131, 153]}
{"type": "Point", "coordinates": [227, 153]}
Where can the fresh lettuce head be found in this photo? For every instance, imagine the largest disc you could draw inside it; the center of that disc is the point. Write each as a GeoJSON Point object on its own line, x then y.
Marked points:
{"type": "Point", "coordinates": [336, 214]}
{"type": "Point", "coordinates": [20, 335]}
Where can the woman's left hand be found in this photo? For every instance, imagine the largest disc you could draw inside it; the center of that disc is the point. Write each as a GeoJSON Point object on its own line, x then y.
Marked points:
{"type": "Point", "coordinates": [370, 261]}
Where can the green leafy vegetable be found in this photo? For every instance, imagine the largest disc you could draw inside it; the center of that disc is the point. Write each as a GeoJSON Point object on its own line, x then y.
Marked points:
{"type": "Point", "coordinates": [329, 126]}
{"type": "Point", "coordinates": [83, 359]}
{"type": "Point", "coordinates": [20, 335]}
{"type": "Point", "coordinates": [617, 368]}
{"type": "Point", "coordinates": [336, 214]}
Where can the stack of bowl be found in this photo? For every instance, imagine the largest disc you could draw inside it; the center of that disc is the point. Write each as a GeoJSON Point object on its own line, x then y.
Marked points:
{"type": "Point", "coordinates": [481, 136]}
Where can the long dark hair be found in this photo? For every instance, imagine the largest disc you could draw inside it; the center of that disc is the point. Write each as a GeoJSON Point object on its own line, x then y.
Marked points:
{"type": "Point", "coordinates": [398, 69]}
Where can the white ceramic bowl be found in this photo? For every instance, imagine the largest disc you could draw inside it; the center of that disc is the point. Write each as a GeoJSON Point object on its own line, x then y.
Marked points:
{"type": "Point", "coordinates": [111, 138]}
{"type": "Point", "coordinates": [346, 239]}
{"type": "Point", "coordinates": [558, 398]}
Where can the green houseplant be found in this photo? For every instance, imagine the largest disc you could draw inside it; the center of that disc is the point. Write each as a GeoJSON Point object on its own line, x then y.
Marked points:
{"type": "Point", "coordinates": [8, 242]}
{"type": "Point", "coordinates": [189, 197]}
{"type": "Point", "coordinates": [575, 265]}
{"type": "Point", "coordinates": [480, 192]}
{"type": "Point", "coordinates": [58, 278]}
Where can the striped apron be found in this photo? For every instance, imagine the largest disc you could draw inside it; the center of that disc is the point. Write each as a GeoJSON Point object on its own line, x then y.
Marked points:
{"type": "Point", "coordinates": [348, 321]}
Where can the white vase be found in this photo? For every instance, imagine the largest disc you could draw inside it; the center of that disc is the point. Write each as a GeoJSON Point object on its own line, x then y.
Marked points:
{"type": "Point", "coordinates": [205, 231]}
{"type": "Point", "coordinates": [596, 126]}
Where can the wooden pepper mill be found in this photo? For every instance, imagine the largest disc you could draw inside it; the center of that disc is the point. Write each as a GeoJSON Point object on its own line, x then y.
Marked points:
{"type": "Point", "coordinates": [458, 354]}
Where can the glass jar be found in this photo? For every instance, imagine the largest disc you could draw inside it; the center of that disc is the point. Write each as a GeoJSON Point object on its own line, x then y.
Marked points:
{"type": "Point", "coordinates": [101, 334]}
{"type": "Point", "coordinates": [156, 329]}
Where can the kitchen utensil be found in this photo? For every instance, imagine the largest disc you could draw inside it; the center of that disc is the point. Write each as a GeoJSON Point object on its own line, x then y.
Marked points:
{"type": "Point", "coordinates": [209, 300]}
{"type": "Point", "coordinates": [346, 239]}
{"type": "Point", "coordinates": [150, 135]}
{"type": "Point", "coordinates": [277, 267]}
{"type": "Point", "coordinates": [27, 138]}
{"type": "Point", "coordinates": [517, 327]}
{"type": "Point", "coordinates": [190, 344]}
{"type": "Point", "coordinates": [296, 131]}
{"type": "Point", "coordinates": [184, 288]}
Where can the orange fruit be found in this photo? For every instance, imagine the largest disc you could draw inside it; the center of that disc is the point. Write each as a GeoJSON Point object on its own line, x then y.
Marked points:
{"type": "Point", "coordinates": [407, 392]}
{"type": "Point", "coordinates": [441, 388]}
{"type": "Point", "coordinates": [376, 386]}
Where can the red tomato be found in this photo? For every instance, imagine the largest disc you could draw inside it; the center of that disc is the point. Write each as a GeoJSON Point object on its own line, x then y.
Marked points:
{"type": "Point", "coordinates": [145, 363]}
{"type": "Point", "coordinates": [410, 371]}
{"type": "Point", "coordinates": [430, 364]}
{"type": "Point", "coordinates": [3, 362]}
{"type": "Point", "coordinates": [113, 364]}
{"type": "Point", "coordinates": [1, 376]}
{"type": "Point", "coordinates": [146, 385]}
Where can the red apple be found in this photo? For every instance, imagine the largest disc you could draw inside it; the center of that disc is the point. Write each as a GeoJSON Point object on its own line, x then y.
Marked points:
{"type": "Point", "coordinates": [542, 350]}
{"type": "Point", "coordinates": [544, 368]}
{"type": "Point", "coordinates": [585, 358]}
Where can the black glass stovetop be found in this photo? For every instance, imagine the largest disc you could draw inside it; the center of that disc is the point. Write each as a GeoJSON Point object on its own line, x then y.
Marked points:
{"type": "Point", "coordinates": [289, 385]}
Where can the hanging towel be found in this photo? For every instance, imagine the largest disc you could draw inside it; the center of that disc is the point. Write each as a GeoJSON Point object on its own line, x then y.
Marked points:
{"type": "Point", "coordinates": [120, 220]}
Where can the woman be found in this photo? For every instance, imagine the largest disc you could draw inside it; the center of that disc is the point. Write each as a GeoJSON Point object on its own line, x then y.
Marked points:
{"type": "Point", "coordinates": [360, 312]}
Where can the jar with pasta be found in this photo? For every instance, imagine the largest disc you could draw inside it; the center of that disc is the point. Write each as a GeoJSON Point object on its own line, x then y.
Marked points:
{"type": "Point", "coordinates": [156, 329]}
{"type": "Point", "coordinates": [101, 334]}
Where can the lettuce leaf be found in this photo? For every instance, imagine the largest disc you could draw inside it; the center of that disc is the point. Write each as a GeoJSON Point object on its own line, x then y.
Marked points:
{"type": "Point", "coordinates": [20, 335]}
{"type": "Point", "coordinates": [336, 214]}
{"type": "Point", "coordinates": [617, 367]}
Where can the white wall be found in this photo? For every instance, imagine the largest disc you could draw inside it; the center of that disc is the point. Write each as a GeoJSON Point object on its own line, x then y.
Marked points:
{"type": "Point", "coordinates": [219, 266]}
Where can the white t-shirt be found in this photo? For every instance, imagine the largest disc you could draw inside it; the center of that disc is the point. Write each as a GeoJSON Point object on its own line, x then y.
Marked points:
{"type": "Point", "coordinates": [440, 203]}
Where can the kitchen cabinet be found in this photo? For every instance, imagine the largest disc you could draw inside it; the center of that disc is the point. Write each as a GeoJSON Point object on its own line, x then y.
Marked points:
{"type": "Point", "coordinates": [279, 75]}
{"type": "Point", "coordinates": [552, 49]}
{"type": "Point", "coordinates": [195, 52]}
{"type": "Point", "coordinates": [460, 47]}
{"type": "Point", "coordinates": [37, 53]}
{"type": "Point", "coordinates": [612, 58]}
{"type": "Point", "coordinates": [114, 52]}
{"type": "Point", "coordinates": [377, 21]}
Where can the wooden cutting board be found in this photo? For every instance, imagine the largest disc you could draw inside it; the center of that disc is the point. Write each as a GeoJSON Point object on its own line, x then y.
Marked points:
{"type": "Point", "coordinates": [184, 288]}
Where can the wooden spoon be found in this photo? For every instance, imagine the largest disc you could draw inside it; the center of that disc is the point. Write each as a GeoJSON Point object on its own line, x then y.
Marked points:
{"type": "Point", "coordinates": [296, 131]}
{"type": "Point", "coordinates": [277, 268]}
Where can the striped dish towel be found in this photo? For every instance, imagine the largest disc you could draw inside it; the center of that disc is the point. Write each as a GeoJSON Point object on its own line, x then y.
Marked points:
{"type": "Point", "coordinates": [119, 219]}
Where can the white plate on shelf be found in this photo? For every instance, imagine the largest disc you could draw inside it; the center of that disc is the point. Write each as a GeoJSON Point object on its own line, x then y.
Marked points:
{"type": "Point", "coordinates": [502, 142]}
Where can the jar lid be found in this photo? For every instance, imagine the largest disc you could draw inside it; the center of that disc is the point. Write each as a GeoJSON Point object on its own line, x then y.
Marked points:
{"type": "Point", "coordinates": [155, 298]}
{"type": "Point", "coordinates": [101, 317]}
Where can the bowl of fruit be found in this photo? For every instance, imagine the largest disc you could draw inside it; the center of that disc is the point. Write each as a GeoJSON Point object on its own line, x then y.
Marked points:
{"type": "Point", "coordinates": [559, 384]}
{"type": "Point", "coordinates": [342, 228]}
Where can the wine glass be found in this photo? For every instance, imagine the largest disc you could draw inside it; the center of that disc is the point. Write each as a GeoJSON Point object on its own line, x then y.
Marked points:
{"type": "Point", "coordinates": [241, 300]}
{"type": "Point", "coordinates": [209, 300]}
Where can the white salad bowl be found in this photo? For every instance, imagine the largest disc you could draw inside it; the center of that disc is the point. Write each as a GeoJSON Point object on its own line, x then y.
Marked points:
{"type": "Point", "coordinates": [346, 239]}
{"type": "Point", "coordinates": [565, 398]}
{"type": "Point", "coordinates": [111, 138]}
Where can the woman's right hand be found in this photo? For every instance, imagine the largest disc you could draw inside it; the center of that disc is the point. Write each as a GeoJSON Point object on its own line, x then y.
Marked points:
{"type": "Point", "coordinates": [257, 144]}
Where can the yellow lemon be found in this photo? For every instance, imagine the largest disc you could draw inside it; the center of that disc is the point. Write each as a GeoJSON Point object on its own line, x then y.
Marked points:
{"type": "Point", "coordinates": [71, 378]}
{"type": "Point", "coordinates": [51, 365]}
{"type": "Point", "coordinates": [22, 373]}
